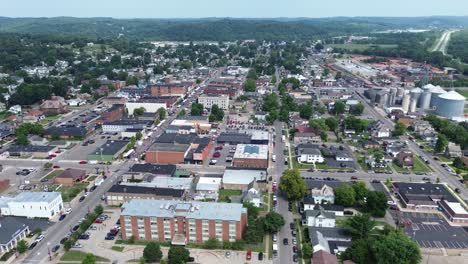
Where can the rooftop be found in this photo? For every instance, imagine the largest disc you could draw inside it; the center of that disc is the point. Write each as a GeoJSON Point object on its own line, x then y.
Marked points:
{"type": "Point", "coordinates": [251, 151]}
{"type": "Point", "coordinates": [423, 190]}
{"type": "Point", "coordinates": [174, 193]}
{"type": "Point", "coordinates": [25, 197]}
{"type": "Point", "coordinates": [169, 147]}
{"type": "Point", "coordinates": [29, 148]}
{"type": "Point", "coordinates": [189, 210]}
{"type": "Point", "coordinates": [153, 168]}
{"type": "Point", "coordinates": [111, 147]}
{"type": "Point", "coordinates": [9, 228]}
{"type": "Point", "coordinates": [243, 176]}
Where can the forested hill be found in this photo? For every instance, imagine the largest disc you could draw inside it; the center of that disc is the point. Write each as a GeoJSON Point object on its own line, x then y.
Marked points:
{"type": "Point", "coordinates": [218, 28]}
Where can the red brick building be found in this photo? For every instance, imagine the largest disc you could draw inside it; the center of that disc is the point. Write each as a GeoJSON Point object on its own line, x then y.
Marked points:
{"type": "Point", "coordinates": [182, 222]}
{"type": "Point", "coordinates": [454, 212]}
{"type": "Point", "coordinates": [167, 153]}
{"type": "Point", "coordinates": [168, 89]}
{"type": "Point", "coordinates": [114, 113]}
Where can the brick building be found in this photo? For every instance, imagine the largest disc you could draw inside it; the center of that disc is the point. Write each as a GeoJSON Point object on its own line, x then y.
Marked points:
{"type": "Point", "coordinates": [119, 194]}
{"type": "Point", "coordinates": [167, 153]}
{"type": "Point", "coordinates": [70, 176]}
{"type": "Point", "coordinates": [454, 212]}
{"type": "Point", "coordinates": [251, 156]}
{"type": "Point", "coordinates": [182, 222]}
{"type": "Point", "coordinates": [114, 113]}
{"type": "Point", "coordinates": [424, 196]}
{"type": "Point", "coordinates": [172, 89]}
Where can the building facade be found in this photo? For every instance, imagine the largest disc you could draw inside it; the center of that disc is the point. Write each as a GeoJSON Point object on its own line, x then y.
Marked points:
{"type": "Point", "coordinates": [208, 100]}
{"type": "Point", "coordinates": [32, 205]}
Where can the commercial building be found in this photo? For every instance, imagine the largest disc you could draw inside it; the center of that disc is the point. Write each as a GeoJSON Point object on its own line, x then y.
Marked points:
{"type": "Point", "coordinates": [112, 114]}
{"type": "Point", "coordinates": [158, 170]}
{"type": "Point", "coordinates": [151, 107]}
{"type": "Point", "coordinates": [235, 179]}
{"type": "Point", "coordinates": [422, 196]}
{"type": "Point", "coordinates": [68, 132]}
{"type": "Point", "coordinates": [233, 138]}
{"type": "Point", "coordinates": [70, 176]}
{"type": "Point", "coordinates": [167, 153]}
{"type": "Point", "coordinates": [12, 231]}
{"type": "Point", "coordinates": [182, 222]}
{"type": "Point", "coordinates": [454, 212]}
{"type": "Point", "coordinates": [119, 194]}
{"type": "Point", "coordinates": [199, 123]}
{"type": "Point", "coordinates": [31, 150]}
{"type": "Point", "coordinates": [108, 151]}
{"type": "Point", "coordinates": [125, 124]}
{"type": "Point", "coordinates": [199, 147]}
{"type": "Point", "coordinates": [208, 100]}
{"type": "Point", "coordinates": [32, 204]}
{"type": "Point", "coordinates": [165, 89]}
{"type": "Point", "coordinates": [251, 156]}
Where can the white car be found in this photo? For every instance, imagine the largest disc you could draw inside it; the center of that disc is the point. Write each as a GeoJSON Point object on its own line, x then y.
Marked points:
{"type": "Point", "coordinates": [68, 211]}
{"type": "Point", "coordinates": [77, 245]}
{"type": "Point", "coordinates": [40, 238]}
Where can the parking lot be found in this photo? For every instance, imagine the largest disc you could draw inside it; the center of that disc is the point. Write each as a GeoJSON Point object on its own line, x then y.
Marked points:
{"type": "Point", "coordinates": [432, 230]}
{"type": "Point", "coordinates": [221, 160]}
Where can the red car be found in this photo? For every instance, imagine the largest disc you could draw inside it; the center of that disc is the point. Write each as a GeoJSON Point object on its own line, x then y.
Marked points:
{"type": "Point", "coordinates": [56, 167]}
{"type": "Point", "coordinates": [216, 155]}
{"type": "Point", "coordinates": [249, 255]}
{"type": "Point", "coordinates": [83, 162]}
{"type": "Point", "coordinates": [354, 178]}
{"type": "Point", "coordinates": [52, 155]}
{"type": "Point", "coordinates": [58, 151]}
{"type": "Point", "coordinates": [98, 221]}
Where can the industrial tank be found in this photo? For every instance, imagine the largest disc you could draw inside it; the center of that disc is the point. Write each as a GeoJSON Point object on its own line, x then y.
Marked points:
{"type": "Point", "coordinates": [406, 103]}
{"type": "Point", "coordinates": [413, 105]}
{"type": "Point", "coordinates": [451, 104]}
{"type": "Point", "coordinates": [425, 99]}
{"type": "Point", "coordinates": [435, 92]}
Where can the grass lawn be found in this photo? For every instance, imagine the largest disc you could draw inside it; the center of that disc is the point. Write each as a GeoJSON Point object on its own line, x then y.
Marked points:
{"type": "Point", "coordinates": [4, 114]}
{"type": "Point", "coordinates": [398, 168]}
{"type": "Point", "coordinates": [360, 47]}
{"type": "Point", "coordinates": [297, 165]}
{"type": "Point", "coordinates": [324, 166]}
{"type": "Point", "coordinates": [76, 255]}
{"type": "Point", "coordinates": [420, 166]}
{"type": "Point", "coordinates": [91, 178]}
{"type": "Point", "coordinates": [48, 119]}
{"type": "Point", "coordinates": [444, 159]}
{"type": "Point", "coordinates": [230, 192]}
{"type": "Point", "coordinates": [463, 92]}
{"type": "Point", "coordinates": [260, 247]}
{"type": "Point", "coordinates": [118, 248]}
{"type": "Point", "coordinates": [70, 192]}
{"type": "Point", "coordinates": [52, 174]}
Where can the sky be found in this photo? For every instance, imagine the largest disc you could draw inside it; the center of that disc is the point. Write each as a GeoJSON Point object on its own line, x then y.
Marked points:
{"type": "Point", "coordinates": [231, 8]}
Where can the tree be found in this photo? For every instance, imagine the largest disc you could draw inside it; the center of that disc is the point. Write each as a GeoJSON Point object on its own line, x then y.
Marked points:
{"type": "Point", "coordinates": [360, 190]}
{"type": "Point", "coordinates": [162, 113]}
{"type": "Point", "coordinates": [305, 111]}
{"type": "Point", "coordinates": [359, 109]}
{"type": "Point", "coordinates": [307, 250]}
{"type": "Point", "coordinates": [182, 113]}
{"type": "Point", "coordinates": [324, 136]}
{"type": "Point", "coordinates": [273, 222]}
{"type": "Point", "coordinates": [376, 203]}
{"type": "Point", "coordinates": [217, 114]}
{"type": "Point", "coordinates": [196, 109]}
{"type": "Point", "coordinates": [345, 196]}
{"type": "Point", "coordinates": [139, 111]}
{"type": "Point", "coordinates": [98, 210]}
{"type": "Point", "coordinates": [361, 252]}
{"type": "Point", "coordinates": [331, 123]}
{"type": "Point", "coordinates": [211, 243]}
{"type": "Point", "coordinates": [22, 139]}
{"type": "Point", "coordinates": [67, 244]}
{"type": "Point", "coordinates": [22, 246]}
{"type": "Point", "coordinates": [441, 143]}
{"type": "Point", "coordinates": [55, 136]}
{"type": "Point", "coordinates": [250, 85]}
{"type": "Point", "coordinates": [293, 185]}
{"type": "Point", "coordinates": [318, 46]}
{"type": "Point", "coordinates": [339, 107]}
{"type": "Point", "coordinates": [152, 252]}
{"type": "Point", "coordinates": [255, 230]}
{"type": "Point", "coordinates": [89, 259]}
{"type": "Point", "coordinates": [319, 124]}
{"type": "Point", "coordinates": [252, 210]}
{"type": "Point", "coordinates": [458, 163]}
{"type": "Point", "coordinates": [177, 255]}
{"type": "Point", "coordinates": [378, 156]}
{"type": "Point", "coordinates": [399, 129]}
{"type": "Point", "coordinates": [397, 248]}
{"type": "Point", "coordinates": [138, 135]}
{"type": "Point", "coordinates": [360, 226]}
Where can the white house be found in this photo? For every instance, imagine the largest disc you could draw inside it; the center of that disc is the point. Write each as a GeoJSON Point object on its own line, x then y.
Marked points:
{"type": "Point", "coordinates": [253, 195]}
{"type": "Point", "coordinates": [310, 155]}
{"type": "Point", "coordinates": [16, 109]}
{"type": "Point", "coordinates": [32, 204]}
{"type": "Point", "coordinates": [319, 218]}
{"type": "Point", "coordinates": [323, 194]}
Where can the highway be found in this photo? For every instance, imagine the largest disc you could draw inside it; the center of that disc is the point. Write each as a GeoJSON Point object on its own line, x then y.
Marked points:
{"type": "Point", "coordinates": [443, 42]}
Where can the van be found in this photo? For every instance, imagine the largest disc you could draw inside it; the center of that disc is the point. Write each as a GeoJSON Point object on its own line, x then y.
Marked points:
{"type": "Point", "coordinates": [274, 237]}
{"type": "Point", "coordinates": [273, 158]}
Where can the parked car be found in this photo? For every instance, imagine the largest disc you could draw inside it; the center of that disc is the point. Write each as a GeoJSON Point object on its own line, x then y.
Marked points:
{"type": "Point", "coordinates": [295, 249]}
{"type": "Point", "coordinates": [33, 245]}
{"type": "Point", "coordinates": [216, 155]}
{"type": "Point", "coordinates": [249, 255]}
{"type": "Point", "coordinates": [354, 178]}
{"type": "Point", "coordinates": [98, 221]}
{"type": "Point", "coordinates": [40, 238]}
{"type": "Point", "coordinates": [260, 256]}
{"type": "Point", "coordinates": [77, 245]}
{"type": "Point", "coordinates": [457, 190]}
{"type": "Point", "coordinates": [75, 228]}
{"type": "Point", "coordinates": [62, 217]}
{"type": "Point", "coordinates": [295, 257]}
{"type": "Point", "coordinates": [83, 162]}
{"type": "Point", "coordinates": [55, 248]}
{"type": "Point", "coordinates": [109, 237]}
{"type": "Point", "coordinates": [68, 211]}
{"type": "Point", "coordinates": [56, 167]}
{"type": "Point", "coordinates": [82, 198]}
{"type": "Point", "coordinates": [291, 225]}
{"type": "Point", "coordinates": [285, 242]}
{"type": "Point", "coordinates": [62, 241]}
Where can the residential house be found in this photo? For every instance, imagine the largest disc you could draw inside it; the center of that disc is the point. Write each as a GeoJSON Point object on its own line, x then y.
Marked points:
{"type": "Point", "coordinates": [424, 130]}
{"type": "Point", "coordinates": [306, 137]}
{"type": "Point", "coordinates": [36, 140]}
{"type": "Point", "coordinates": [33, 116]}
{"type": "Point", "coordinates": [404, 158]}
{"type": "Point", "coordinates": [70, 176]}
{"type": "Point", "coordinates": [331, 240]}
{"type": "Point", "coordinates": [453, 150]}
{"type": "Point", "coordinates": [379, 130]}
{"type": "Point", "coordinates": [309, 153]}
{"type": "Point", "coordinates": [253, 194]}
{"type": "Point", "coordinates": [56, 105]}
{"type": "Point", "coordinates": [319, 218]}
{"type": "Point", "coordinates": [323, 257]}
{"type": "Point", "coordinates": [323, 194]}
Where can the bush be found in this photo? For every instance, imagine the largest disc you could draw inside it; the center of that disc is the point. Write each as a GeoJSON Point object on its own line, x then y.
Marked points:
{"type": "Point", "coordinates": [211, 243]}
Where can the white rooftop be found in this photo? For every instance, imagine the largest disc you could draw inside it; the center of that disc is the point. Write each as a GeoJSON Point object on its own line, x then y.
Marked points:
{"type": "Point", "coordinates": [452, 95]}
{"type": "Point", "coordinates": [38, 197]}
{"type": "Point", "coordinates": [456, 207]}
{"type": "Point", "coordinates": [209, 183]}
{"type": "Point", "coordinates": [165, 182]}
{"type": "Point", "coordinates": [243, 176]}
{"type": "Point", "coordinates": [251, 151]}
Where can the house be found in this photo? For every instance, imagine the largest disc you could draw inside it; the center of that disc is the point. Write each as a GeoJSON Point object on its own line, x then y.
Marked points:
{"type": "Point", "coordinates": [16, 109]}
{"type": "Point", "coordinates": [33, 116]}
{"type": "Point", "coordinates": [70, 176]}
{"type": "Point", "coordinates": [379, 130]}
{"type": "Point", "coordinates": [453, 150]}
{"type": "Point", "coordinates": [323, 194]}
{"type": "Point", "coordinates": [56, 105]}
{"type": "Point", "coordinates": [404, 158]}
{"type": "Point", "coordinates": [306, 137]}
{"type": "Point", "coordinates": [394, 148]}
{"type": "Point", "coordinates": [371, 144]}
{"type": "Point", "coordinates": [253, 194]}
{"type": "Point", "coordinates": [32, 204]}
{"type": "Point", "coordinates": [424, 130]}
{"type": "Point", "coordinates": [331, 240]}
{"type": "Point", "coordinates": [12, 230]}
{"type": "Point", "coordinates": [319, 218]}
{"type": "Point", "coordinates": [373, 163]}
{"type": "Point", "coordinates": [309, 153]}
{"type": "Point", "coordinates": [208, 187]}
{"type": "Point", "coordinates": [184, 222]}
{"type": "Point", "coordinates": [36, 140]}
{"type": "Point", "coordinates": [323, 257]}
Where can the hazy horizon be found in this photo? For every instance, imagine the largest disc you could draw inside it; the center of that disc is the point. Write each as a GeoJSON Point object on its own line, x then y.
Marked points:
{"type": "Point", "coordinates": [187, 9]}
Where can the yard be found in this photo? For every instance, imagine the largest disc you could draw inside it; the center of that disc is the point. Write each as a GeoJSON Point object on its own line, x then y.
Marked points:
{"type": "Point", "coordinates": [70, 192]}
{"type": "Point", "coordinates": [49, 119]}
{"type": "Point", "coordinates": [52, 174]}
{"type": "Point", "coordinates": [398, 168]}
{"type": "Point", "coordinates": [91, 178]}
{"type": "Point", "coordinates": [77, 256]}
{"type": "Point", "coordinates": [224, 195]}
{"type": "Point", "coordinates": [420, 166]}
{"type": "Point", "coordinates": [303, 166]}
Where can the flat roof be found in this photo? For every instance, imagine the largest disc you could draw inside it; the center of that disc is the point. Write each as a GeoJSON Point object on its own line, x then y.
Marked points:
{"type": "Point", "coordinates": [456, 207]}
{"type": "Point", "coordinates": [111, 147]}
{"type": "Point", "coordinates": [243, 176]}
{"type": "Point", "coordinates": [168, 169]}
{"type": "Point", "coordinates": [174, 193]}
{"type": "Point", "coordinates": [25, 197]}
{"type": "Point", "coordinates": [189, 210]}
{"type": "Point", "coordinates": [169, 147]}
{"type": "Point", "coordinates": [165, 182]}
{"type": "Point", "coordinates": [251, 151]}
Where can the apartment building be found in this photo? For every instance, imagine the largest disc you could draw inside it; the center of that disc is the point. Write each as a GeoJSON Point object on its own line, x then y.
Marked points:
{"type": "Point", "coordinates": [208, 100]}
{"type": "Point", "coordinates": [182, 222]}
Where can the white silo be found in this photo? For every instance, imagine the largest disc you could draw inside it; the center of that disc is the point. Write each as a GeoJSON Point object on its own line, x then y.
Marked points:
{"type": "Point", "coordinates": [400, 92]}
{"type": "Point", "coordinates": [451, 104]}
{"type": "Point", "coordinates": [392, 96]}
{"type": "Point", "coordinates": [406, 103]}
{"type": "Point", "coordinates": [435, 92]}
{"type": "Point", "coordinates": [384, 100]}
{"type": "Point", "coordinates": [425, 99]}
{"type": "Point", "coordinates": [415, 94]}
{"type": "Point", "coordinates": [413, 105]}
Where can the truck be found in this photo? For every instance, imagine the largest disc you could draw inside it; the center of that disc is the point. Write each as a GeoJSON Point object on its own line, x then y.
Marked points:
{"type": "Point", "coordinates": [273, 158]}
{"type": "Point", "coordinates": [283, 138]}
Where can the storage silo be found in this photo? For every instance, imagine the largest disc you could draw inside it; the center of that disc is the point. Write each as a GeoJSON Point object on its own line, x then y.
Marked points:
{"type": "Point", "coordinates": [435, 92]}
{"type": "Point", "coordinates": [413, 105]}
{"type": "Point", "coordinates": [384, 100]}
{"type": "Point", "coordinates": [406, 103]}
{"type": "Point", "coordinates": [392, 96]}
{"type": "Point", "coordinates": [451, 104]}
{"type": "Point", "coordinates": [400, 92]}
{"type": "Point", "coordinates": [425, 99]}
{"type": "Point", "coordinates": [415, 94]}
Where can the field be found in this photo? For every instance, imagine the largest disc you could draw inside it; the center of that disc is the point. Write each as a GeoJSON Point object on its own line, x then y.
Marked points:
{"type": "Point", "coordinates": [52, 174]}
{"type": "Point", "coordinates": [360, 47]}
{"type": "Point", "coordinates": [70, 192]}
{"type": "Point", "coordinates": [77, 256]}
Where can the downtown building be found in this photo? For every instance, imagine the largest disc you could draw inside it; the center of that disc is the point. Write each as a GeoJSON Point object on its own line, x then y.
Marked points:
{"type": "Point", "coordinates": [182, 222]}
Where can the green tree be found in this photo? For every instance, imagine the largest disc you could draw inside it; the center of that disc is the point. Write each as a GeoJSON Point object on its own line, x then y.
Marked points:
{"type": "Point", "coordinates": [273, 222]}
{"type": "Point", "coordinates": [139, 111]}
{"type": "Point", "coordinates": [255, 230]}
{"type": "Point", "coordinates": [359, 109]}
{"type": "Point", "coordinates": [22, 246]}
{"type": "Point", "coordinates": [89, 259]}
{"type": "Point", "coordinates": [250, 85]}
{"type": "Point", "coordinates": [376, 203]}
{"type": "Point", "coordinates": [196, 109]}
{"type": "Point", "coordinates": [211, 243]}
{"type": "Point", "coordinates": [98, 210]}
{"type": "Point", "coordinates": [319, 124]}
{"type": "Point", "coordinates": [399, 129]}
{"type": "Point", "coordinates": [360, 226]}
{"type": "Point", "coordinates": [138, 135]}
{"type": "Point", "coordinates": [324, 136]}
{"type": "Point", "coordinates": [293, 185]}
{"type": "Point", "coordinates": [397, 248]}
{"type": "Point", "coordinates": [22, 139]}
{"type": "Point", "coordinates": [331, 123]}
{"type": "Point", "coordinates": [307, 250]}
{"type": "Point", "coordinates": [182, 113]}
{"type": "Point", "coordinates": [55, 136]}
{"type": "Point", "coordinates": [67, 244]}
{"type": "Point", "coordinates": [360, 190]}
{"type": "Point", "coordinates": [361, 252]}
{"type": "Point", "coordinates": [152, 252]}
{"type": "Point", "coordinates": [305, 111]}
{"type": "Point", "coordinates": [162, 113]}
{"type": "Point", "coordinates": [345, 196]}
{"type": "Point", "coordinates": [177, 255]}
{"type": "Point", "coordinates": [339, 107]}
{"type": "Point", "coordinates": [252, 210]}
{"type": "Point", "coordinates": [441, 143]}
{"type": "Point", "coordinates": [318, 46]}
{"type": "Point", "coordinates": [273, 79]}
